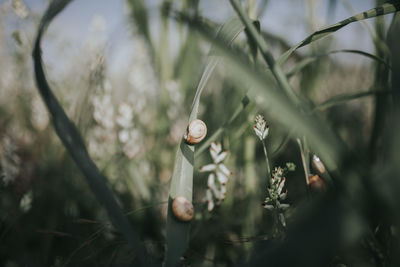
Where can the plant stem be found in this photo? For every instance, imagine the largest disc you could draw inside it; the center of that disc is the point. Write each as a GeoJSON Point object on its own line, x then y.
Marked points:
{"type": "Point", "coordinates": [269, 59]}
{"type": "Point", "coordinates": [303, 160]}
{"type": "Point", "coordinates": [267, 161]}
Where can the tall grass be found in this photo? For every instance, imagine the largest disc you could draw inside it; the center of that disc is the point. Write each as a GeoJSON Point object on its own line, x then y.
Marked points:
{"type": "Point", "coordinates": [353, 223]}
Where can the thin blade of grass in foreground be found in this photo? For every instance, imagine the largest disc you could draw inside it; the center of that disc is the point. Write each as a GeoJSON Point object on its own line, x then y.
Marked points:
{"type": "Point", "coordinates": [309, 60]}
{"type": "Point", "coordinates": [387, 8]}
{"type": "Point", "coordinates": [343, 98]}
{"type": "Point", "coordinates": [74, 144]}
{"type": "Point", "coordinates": [182, 176]}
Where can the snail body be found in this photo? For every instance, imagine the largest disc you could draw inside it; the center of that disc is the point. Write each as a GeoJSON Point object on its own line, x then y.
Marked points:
{"type": "Point", "coordinates": [195, 132]}
{"type": "Point", "coordinates": [182, 209]}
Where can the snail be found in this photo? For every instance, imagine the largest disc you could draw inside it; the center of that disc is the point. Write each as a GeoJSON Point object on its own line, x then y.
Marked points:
{"type": "Point", "coordinates": [318, 165]}
{"type": "Point", "coordinates": [316, 183]}
{"type": "Point", "coordinates": [182, 209]}
{"type": "Point", "coordinates": [195, 132]}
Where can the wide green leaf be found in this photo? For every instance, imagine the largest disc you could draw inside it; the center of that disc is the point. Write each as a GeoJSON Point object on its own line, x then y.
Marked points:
{"type": "Point", "coordinates": [182, 176]}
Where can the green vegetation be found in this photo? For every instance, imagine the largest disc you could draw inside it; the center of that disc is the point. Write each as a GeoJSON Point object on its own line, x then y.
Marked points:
{"type": "Point", "coordinates": [320, 189]}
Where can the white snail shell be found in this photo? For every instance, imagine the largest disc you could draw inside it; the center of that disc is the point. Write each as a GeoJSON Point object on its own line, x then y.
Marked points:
{"type": "Point", "coordinates": [318, 165]}
{"type": "Point", "coordinates": [182, 209]}
{"type": "Point", "coordinates": [195, 132]}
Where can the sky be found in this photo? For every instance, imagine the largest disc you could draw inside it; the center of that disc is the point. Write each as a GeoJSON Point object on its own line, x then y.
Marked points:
{"type": "Point", "coordinates": [105, 21]}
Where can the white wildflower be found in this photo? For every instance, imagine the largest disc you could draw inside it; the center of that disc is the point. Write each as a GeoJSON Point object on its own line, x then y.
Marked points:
{"type": "Point", "coordinates": [101, 142]}
{"type": "Point", "coordinates": [276, 193]}
{"type": "Point", "coordinates": [261, 128]}
{"type": "Point", "coordinates": [103, 110]}
{"type": "Point", "coordinates": [218, 177]}
{"type": "Point", "coordinates": [125, 115]}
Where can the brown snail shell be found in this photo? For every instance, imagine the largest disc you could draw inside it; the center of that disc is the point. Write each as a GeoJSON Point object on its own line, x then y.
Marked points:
{"type": "Point", "coordinates": [182, 209]}
{"type": "Point", "coordinates": [316, 183]}
{"type": "Point", "coordinates": [195, 132]}
{"type": "Point", "coordinates": [318, 165]}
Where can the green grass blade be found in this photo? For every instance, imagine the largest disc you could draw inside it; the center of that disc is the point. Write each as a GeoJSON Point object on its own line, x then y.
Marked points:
{"type": "Point", "coordinates": [343, 98]}
{"type": "Point", "coordinates": [307, 61]}
{"type": "Point", "coordinates": [384, 9]}
{"type": "Point", "coordinates": [264, 49]}
{"type": "Point", "coordinates": [228, 32]}
{"type": "Point", "coordinates": [74, 144]}
{"type": "Point", "coordinates": [182, 176]}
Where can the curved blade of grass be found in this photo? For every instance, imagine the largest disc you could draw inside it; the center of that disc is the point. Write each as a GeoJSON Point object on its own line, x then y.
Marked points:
{"type": "Point", "coordinates": [307, 61]}
{"type": "Point", "coordinates": [343, 98]}
{"type": "Point", "coordinates": [227, 34]}
{"type": "Point", "coordinates": [182, 176]}
{"type": "Point", "coordinates": [387, 8]}
{"type": "Point", "coordinates": [74, 144]}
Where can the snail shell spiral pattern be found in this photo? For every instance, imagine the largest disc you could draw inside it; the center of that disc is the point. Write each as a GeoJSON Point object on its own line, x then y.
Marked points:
{"type": "Point", "coordinates": [195, 132]}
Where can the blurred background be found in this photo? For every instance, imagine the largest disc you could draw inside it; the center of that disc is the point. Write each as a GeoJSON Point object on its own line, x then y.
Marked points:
{"type": "Point", "coordinates": [128, 87]}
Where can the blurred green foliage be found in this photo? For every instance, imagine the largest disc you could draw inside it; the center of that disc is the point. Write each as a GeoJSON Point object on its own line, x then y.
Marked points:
{"type": "Point", "coordinates": [346, 113]}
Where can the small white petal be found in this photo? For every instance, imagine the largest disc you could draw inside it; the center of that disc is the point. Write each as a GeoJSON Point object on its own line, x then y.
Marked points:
{"type": "Point", "coordinates": [215, 191]}
{"type": "Point", "coordinates": [210, 206]}
{"type": "Point", "coordinates": [217, 147]}
{"type": "Point", "coordinates": [123, 136]}
{"type": "Point", "coordinates": [213, 154]}
{"type": "Point", "coordinates": [265, 133]}
{"type": "Point", "coordinates": [268, 207]}
{"type": "Point", "coordinates": [258, 132]}
{"type": "Point", "coordinates": [211, 180]}
{"type": "Point", "coordinates": [207, 168]}
{"type": "Point", "coordinates": [221, 157]}
{"type": "Point", "coordinates": [222, 178]}
{"type": "Point", "coordinates": [209, 195]}
{"type": "Point", "coordinates": [284, 206]}
{"type": "Point", "coordinates": [281, 185]}
{"type": "Point", "coordinates": [224, 169]}
{"type": "Point", "coordinates": [223, 190]}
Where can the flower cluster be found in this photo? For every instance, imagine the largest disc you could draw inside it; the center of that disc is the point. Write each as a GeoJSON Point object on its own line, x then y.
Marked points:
{"type": "Point", "coordinates": [102, 136]}
{"type": "Point", "coordinates": [128, 136]}
{"type": "Point", "coordinates": [276, 179]}
{"type": "Point", "coordinates": [261, 128]}
{"type": "Point", "coordinates": [218, 176]}
{"type": "Point", "coordinates": [275, 194]}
